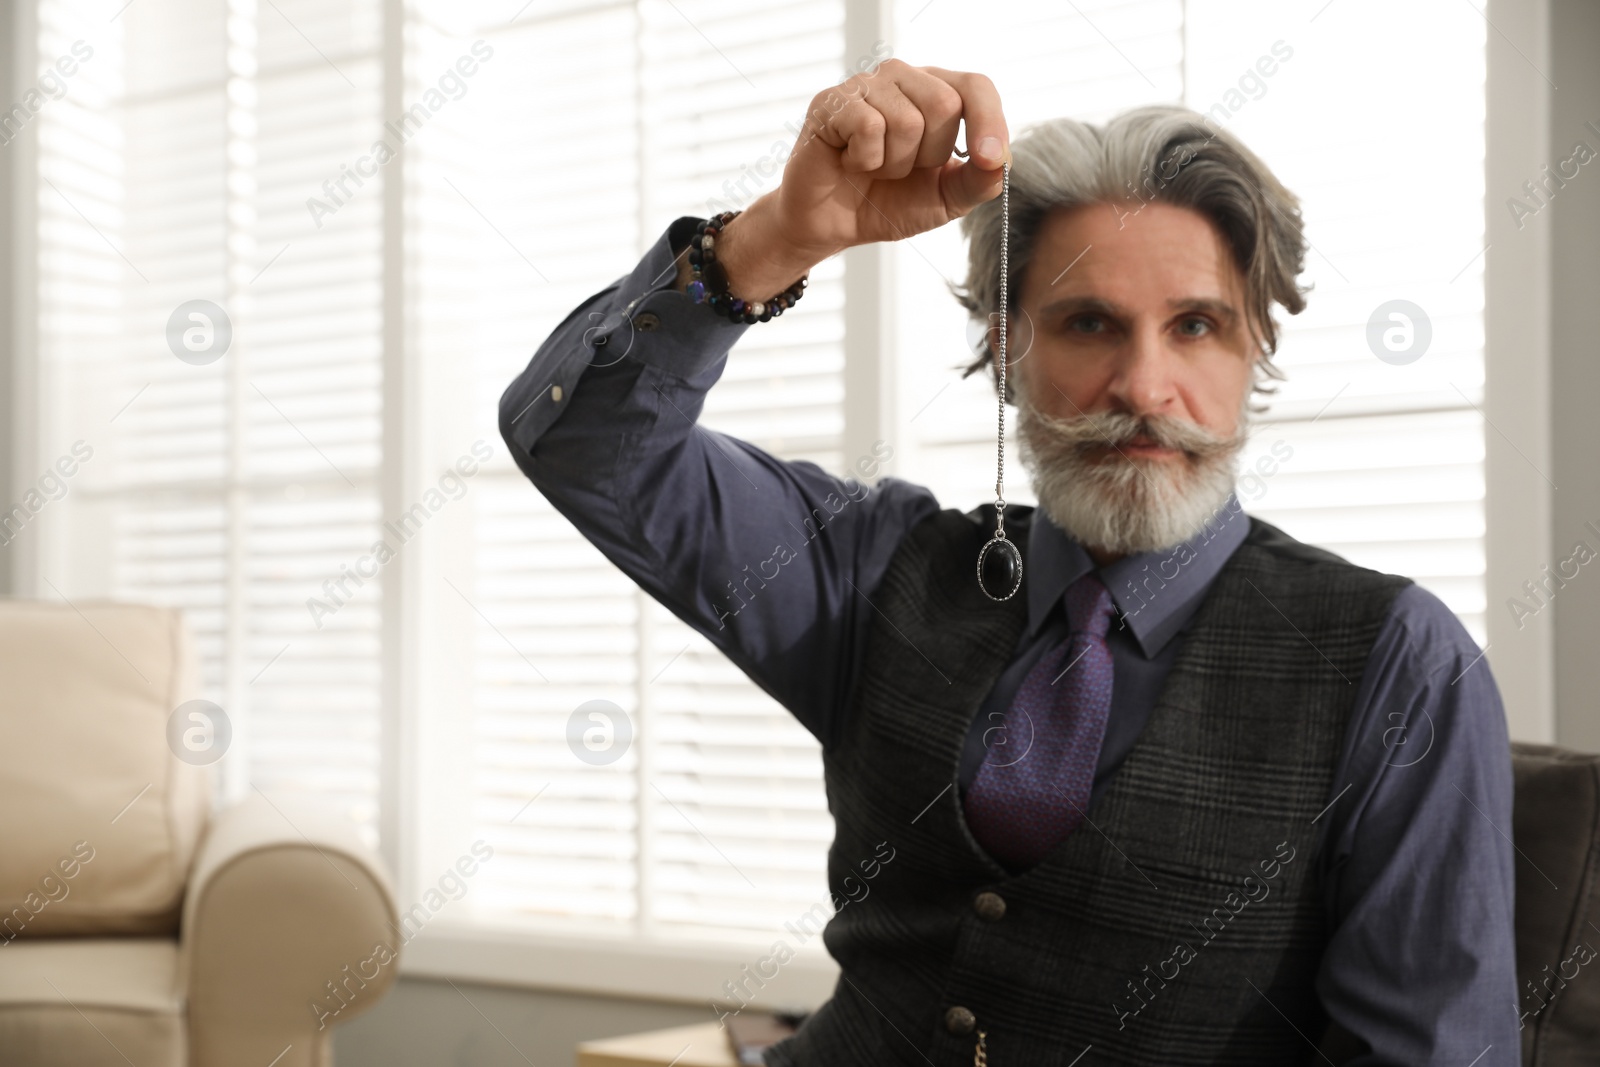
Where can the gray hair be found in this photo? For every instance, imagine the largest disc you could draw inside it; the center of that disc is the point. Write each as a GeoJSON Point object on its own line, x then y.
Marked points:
{"type": "Point", "coordinates": [1164, 153]}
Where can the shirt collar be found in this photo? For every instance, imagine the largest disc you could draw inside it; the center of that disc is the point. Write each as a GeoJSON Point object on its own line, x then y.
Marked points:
{"type": "Point", "coordinates": [1155, 592]}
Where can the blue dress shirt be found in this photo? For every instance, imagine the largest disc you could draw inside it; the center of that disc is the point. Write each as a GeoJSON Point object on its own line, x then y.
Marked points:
{"type": "Point", "coordinates": [1414, 855]}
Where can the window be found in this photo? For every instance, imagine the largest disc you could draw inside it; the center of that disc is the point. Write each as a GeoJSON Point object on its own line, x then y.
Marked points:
{"type": "Point", "coordinates": [232, 487]}
{"type": "Point", "coordinates": [714, 821]}
{"type": "Point", "coordinates": [380, 299]}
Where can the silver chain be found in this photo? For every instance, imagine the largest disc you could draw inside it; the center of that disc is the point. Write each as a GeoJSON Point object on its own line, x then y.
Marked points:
{"type": "Point", "coordinates": [1005, 270]}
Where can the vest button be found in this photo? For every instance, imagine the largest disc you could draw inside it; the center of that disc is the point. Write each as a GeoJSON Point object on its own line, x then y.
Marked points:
{"type": "Point", "coordinates": [991, 907]}
{"type": "Point", "coordinates": [960, 1021]}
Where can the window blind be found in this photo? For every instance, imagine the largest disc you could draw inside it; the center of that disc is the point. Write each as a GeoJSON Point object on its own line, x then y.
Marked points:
{"type": "Point", "coordinates": [1387, 463]}
{"type": "Point", "coordinates": [232, 487]}
{"type": "Point", "coordinates": [714, 822]}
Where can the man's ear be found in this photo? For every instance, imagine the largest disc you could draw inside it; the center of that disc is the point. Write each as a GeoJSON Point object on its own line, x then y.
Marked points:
{"type": "Point", "coordinates": [992, 338]}
{"type": "Point", "coordinates": [1017, 350]}
{"type": "Point", "coordinates": [1019, 336]}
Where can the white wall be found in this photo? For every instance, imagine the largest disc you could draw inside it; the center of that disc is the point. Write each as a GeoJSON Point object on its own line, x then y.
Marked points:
{"type": "Point", "coordinates": [1575, 349]}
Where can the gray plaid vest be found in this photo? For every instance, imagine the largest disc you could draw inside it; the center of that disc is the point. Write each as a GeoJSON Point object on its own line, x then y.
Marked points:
{"type": "Point", "coordinates": [1183, 923]}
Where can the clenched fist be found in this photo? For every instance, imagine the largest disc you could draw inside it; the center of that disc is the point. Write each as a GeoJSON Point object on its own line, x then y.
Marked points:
{"type": "Point", "coordinates": [873, 163]}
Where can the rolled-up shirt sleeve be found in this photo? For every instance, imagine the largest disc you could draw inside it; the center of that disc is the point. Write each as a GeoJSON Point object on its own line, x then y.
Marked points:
{"type": "Point", "coordinates": [1418, 865]}
{"type": "Point", "coordinates": [769, 559]}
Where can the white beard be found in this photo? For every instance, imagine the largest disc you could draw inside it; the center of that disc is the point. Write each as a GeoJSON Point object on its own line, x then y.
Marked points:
{"type": "Point", "coordinates": [1125, 504]}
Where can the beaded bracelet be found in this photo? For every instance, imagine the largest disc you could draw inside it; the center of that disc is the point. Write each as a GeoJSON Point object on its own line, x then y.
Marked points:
{"type": "Point", "coordinates": [709, 282]}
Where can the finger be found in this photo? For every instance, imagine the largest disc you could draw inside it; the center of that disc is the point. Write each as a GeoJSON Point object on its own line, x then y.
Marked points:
{"type": "Point", "coordinates": [858, 129]}
{"type": "Point", "coordinates": [940, 105]}
{"type": "Point", "coordinates": [903, 128]}
{"type": "Point", "coordinates": [988, 139]}
{"type": "Point", "coordinates": [963, 186]}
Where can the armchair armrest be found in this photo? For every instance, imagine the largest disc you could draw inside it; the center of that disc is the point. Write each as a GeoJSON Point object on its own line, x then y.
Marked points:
{"type": "Point", "coordinates": [288, 927]}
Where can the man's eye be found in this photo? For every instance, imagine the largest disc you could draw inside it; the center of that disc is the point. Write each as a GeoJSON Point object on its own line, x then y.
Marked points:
{"type": "Point", "coordinates": [1087, 324]}
{"type": "Point", "coordinates": [1195, 327]}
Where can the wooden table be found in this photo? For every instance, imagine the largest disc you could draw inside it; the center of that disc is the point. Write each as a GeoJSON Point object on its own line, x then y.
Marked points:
{"type": "Point", "coordinates": [700, 1045]}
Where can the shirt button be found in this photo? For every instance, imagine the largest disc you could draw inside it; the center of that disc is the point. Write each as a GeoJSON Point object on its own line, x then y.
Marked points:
{"type": "Point", "coordinates": [990, 907]}
{"type": "Point", "coordinates": [555, 394]}
{"type": "Point", "coordinates": [960, 1021]}
{"type": "Point", "coordinates": [646, 322]}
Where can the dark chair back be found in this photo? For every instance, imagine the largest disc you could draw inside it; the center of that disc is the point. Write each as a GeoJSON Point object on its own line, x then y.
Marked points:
{"type": "Point", "coordinates": [1556, 827]}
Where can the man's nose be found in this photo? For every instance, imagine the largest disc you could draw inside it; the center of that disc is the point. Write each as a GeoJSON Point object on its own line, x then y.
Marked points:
{"type": "Point", "coordinates": [1142, 383]}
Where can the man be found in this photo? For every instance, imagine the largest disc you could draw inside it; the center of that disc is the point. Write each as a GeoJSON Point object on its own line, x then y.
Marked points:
{"type": "Point", "coordinates": [1198, 793]}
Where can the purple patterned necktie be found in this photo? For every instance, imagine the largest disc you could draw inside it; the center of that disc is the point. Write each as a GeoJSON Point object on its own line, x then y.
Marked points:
{"type": "Point", "coordinates": [1033, 789]}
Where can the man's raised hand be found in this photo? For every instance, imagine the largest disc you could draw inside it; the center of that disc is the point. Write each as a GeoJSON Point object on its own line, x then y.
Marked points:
{"type": "Point", "coordinates": [873, 163]}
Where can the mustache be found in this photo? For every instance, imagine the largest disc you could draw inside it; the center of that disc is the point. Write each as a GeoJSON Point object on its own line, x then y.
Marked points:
{"type": "Point", "coordinates": [1118, 429]}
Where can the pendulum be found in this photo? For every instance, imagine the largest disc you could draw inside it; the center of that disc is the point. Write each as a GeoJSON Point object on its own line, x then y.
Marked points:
{"type": "Point", "coordinates": [999, 562]}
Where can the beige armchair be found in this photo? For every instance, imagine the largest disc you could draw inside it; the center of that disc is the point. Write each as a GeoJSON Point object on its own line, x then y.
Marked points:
{"type": "Point", "coordinates": [136, 925]}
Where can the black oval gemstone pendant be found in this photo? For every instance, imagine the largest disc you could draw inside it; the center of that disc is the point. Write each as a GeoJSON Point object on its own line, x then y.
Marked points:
{"type": "Point", "coordinates": [999, 568]}
{"type": "Point", "coordinates": [999, 561]}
